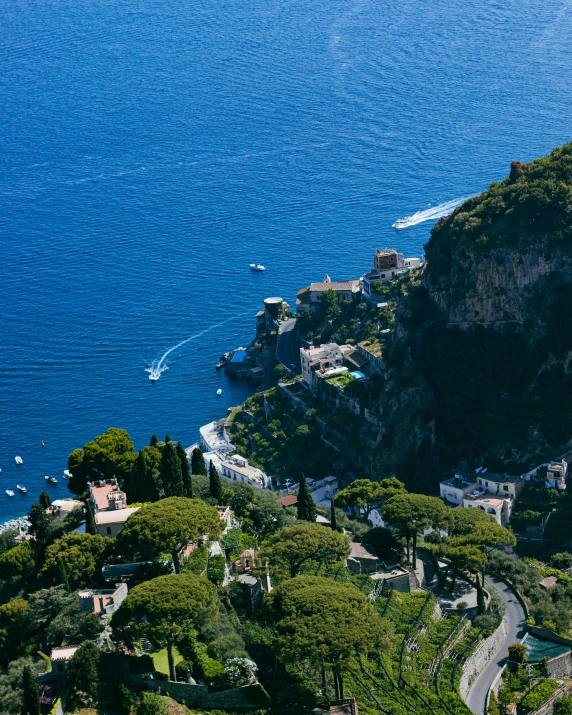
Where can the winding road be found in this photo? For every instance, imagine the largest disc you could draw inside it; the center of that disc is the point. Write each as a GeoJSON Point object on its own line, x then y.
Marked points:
{"type": "Point", "coordinates": [515, 626]}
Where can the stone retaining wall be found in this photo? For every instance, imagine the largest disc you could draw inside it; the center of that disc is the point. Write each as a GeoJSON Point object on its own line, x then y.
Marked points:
{"type": "Point", "coordinates": [248, 697]}
{"type": "Point", "coordinates": [560, 667]}
{"type": "Point", "coordinates": [480, 658]}
{"type": "Point", "coordinates": [548, 707]}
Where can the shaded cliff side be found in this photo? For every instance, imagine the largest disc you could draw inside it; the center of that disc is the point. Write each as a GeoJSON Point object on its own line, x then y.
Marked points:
{"type": "Point", "coordinates": [480, 369]}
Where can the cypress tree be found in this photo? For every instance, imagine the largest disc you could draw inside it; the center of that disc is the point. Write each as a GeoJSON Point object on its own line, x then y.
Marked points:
{"type": "Point", "coordinates": [186, 471]}
{"type": "Point", "coordinates": [89, 520]}
{"type": "Point", "coordinates": [215, 486]}
{"type": "Point", "coordinates": [39, 523]}
{"type": "Point", "coordinates": [30, 693]}
{"type": "Point", "coordinates": [481, 603]}
{"type": "Point", "coordinates": [142, 485]}
{"type": "Point", "coordinates": [333, 518]}
{"type": "Point", "coordinates": [45, 500]}
{"type": "Point", "coordinates": [154, 441]}
{"type": "Point", "coordinates": [198, 465]}
{"type": "Point", "coordinates": [167, 439]}
{"type": "Point", "coordinates": [64, 574]}
{"type": "Point", "coordinates": [306, 505]}
{"type": "Point", "coordinates": [171, 474]}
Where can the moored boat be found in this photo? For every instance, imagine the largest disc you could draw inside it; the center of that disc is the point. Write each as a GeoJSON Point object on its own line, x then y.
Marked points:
{"type": "Point", "coordinates": [21, 488]}
{"type": "Point", "coordinates": [52, 480]}
{"type": "Point", "coordinates": [9, 492]}
{"type": "Point", "coordinates": [18, 459]}
{"type": "Point", "coordinates": [257, 267]}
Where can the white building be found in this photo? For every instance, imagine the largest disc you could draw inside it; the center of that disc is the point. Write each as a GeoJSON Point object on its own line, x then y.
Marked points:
{"type": "Point", "coordinates": [322, 490]}
{"type": "Point", "coordinates": [110, 523]}
{"type": "Point", "coordinates": [309, 298]}
{"type": "Point", "coordinates": [237, 469]}
{"type": "Point", "coordinates": [500, 484]}
{"type": "Point", "coordinates": [497, 507]}
{"type": "Point", "coordinates": [324, 360]}
{"type": "Point", "coordinates": [556, 474]}
{"type": "Point", "coordinates": [214, 437]}
{"type": "Point", "coordinates": [454, 490]}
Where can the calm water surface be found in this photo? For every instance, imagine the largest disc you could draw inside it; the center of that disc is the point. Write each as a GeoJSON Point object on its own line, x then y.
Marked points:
{"type": "Point", "coordinates": [150, 150]}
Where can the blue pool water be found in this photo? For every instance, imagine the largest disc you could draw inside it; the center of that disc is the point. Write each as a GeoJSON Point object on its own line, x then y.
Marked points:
{"type": "Point", "coordinates": [151, 150]}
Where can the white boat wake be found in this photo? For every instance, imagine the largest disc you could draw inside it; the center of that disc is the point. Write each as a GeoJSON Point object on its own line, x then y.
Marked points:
{"type": "Point", "coordinates": [158, 367]}
{"type": "Point", "coordinates": [431, 214]}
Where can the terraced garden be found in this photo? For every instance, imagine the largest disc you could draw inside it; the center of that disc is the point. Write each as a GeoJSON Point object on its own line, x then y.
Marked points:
{"type": "Point", "coordinates": [422, 670]}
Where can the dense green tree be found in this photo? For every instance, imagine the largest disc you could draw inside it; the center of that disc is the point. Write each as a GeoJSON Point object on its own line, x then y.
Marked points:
{"type": "Point", "coordinates": [411, 514]}
{"type": "Point", "coordinates": [30, 693]}
{"type": "Point", "coordinates": [167, 439]}
{"type": "Point", "coordinates": [217, 568]}
{"type": "Point", "coordinates": [215, 485]}
{"type": "Point", "coordinates": [235, 541]}
{"type": "Point", "coordinates": [39, 523]}
{"type": "Point", "coordinates": [384, 543]}
{"type": "Point", "coordinates": [45, 500]}
{"type": "Point", "coordinates": [303, 546]}
{"type": "Point", "coordinates": [161, 609]}
{"type": "Point", "coordinates": [8, 540]}
{"type": "Point", "coordinates": [79, 556]}
{"type": "Point", "coordinates": [198, 465]}
{"type": "Point", "coordinates": [81, 671]}
{"type": "Point", "coordinates": [154, 441]}
{"type": "Point", "coordinates": [143, 485]}
{"type": "Point", "coordinates": [481, 603]}
{"type": "Point", "coordinates": [15, 627]}
{"type": "Point", "coordinates": [363, 494]}
{"type": "Point", "coordinates": [329, 305]}
{"type": "Point", "coordinates": [18, 563]}
{"type": "Point", "coordinates": [563, 706]}
{"type": "Point", "coordinates": [90, 527]}
{"type": "Point", "coordinates": [171, 473]}
{"type": "Point", "coordinates": [185, 471]}
{"type": "Point", "coordinates": [153, 704]}
{"type": "Point", "coordinates": [325, 625]}
{"type": "Point", "coordinates": [109, 455]}
{"type": "Point", "coordinates": [167, 526]}
{"type": "Point", "coordinates": [333, 518]}
{"type": "Point", "coordinates": [305, 504]}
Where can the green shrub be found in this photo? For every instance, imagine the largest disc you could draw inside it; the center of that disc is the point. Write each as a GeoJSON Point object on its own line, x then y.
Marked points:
{"type": "Point", "coordinates": [152, 704]}
{"type": "Point", "coordinates": [538, 695]}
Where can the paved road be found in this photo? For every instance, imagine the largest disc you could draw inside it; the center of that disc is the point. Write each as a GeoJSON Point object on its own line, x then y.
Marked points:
{"type": "Point", "coordinates": [515, 625]}
{"type": "Point", "coordinates": [287, 350]}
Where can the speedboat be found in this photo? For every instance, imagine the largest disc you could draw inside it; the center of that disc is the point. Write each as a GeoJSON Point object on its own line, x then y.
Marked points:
{"type": "Point", "coordinates": [257, 267]}
{"type": "Point", "coordinates": [219, 391]}
{"type": "Point", "coordinates": [21, 488]}
{"type": "Point", "coordinates": [401, 223]}
{"type": "Point", "coordinates": [153, 377]}
{"type": "Point", "coordinates": [9, 492]}
{"type": "Point", "coordinates": [18, 459]}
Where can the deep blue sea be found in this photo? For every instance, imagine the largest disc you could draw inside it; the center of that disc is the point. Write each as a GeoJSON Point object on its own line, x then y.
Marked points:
{"type": "Point", "coordinates": [151, 149]}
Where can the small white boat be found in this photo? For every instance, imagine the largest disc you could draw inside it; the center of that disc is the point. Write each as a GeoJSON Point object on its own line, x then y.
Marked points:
{"type": "Point", "coordinates": [219, 391]}
{"type": "Point", "coordinates": [52, 480]}
{"type": "Point", "coordinates": [21, 488]}
{"type": "Point", "coordinates": [9, 492]}
{"type": "Point", "coordinates": [18, 459]}
{"type": "Point", "coordinates": [401, 223]}
{"type": "Point", "coordinates": [67, 474]}
{"type": "Point", "coordinates": [257, 267]}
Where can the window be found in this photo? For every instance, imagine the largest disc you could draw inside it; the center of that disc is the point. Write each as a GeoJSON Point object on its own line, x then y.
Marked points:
{"type": "Point", "coordinates": [108, 530]}
{"type": "Point", "coordinates": [505, 488]}
{"type": "Point", "coordinates": [486, 484]}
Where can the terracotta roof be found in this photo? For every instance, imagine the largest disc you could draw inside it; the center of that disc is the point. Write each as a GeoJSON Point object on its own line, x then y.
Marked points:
{"type": "Point", "coordinates": [336, 286]}
{"type": "Point", "coordinates": [288, 501]}
{"type": "Point", "coordinates": [548, 581]}
{"type": "Point", "coordinates": [303, 290]}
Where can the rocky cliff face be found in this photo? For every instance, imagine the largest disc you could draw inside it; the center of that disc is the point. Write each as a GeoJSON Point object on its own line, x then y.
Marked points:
{"type": "Point", "coordinates": [481, 365]}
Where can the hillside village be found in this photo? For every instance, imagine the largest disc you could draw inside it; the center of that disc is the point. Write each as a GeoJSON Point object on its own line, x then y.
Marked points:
{"type": "Point", "coordinates": [273, 566]}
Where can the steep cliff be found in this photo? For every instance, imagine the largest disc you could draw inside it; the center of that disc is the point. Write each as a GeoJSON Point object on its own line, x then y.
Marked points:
{"type": "Point", "coordinates": [480, 369]}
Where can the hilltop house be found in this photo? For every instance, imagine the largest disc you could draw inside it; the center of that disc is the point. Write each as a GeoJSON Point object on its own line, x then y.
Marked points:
{"type": "Point", "coordinates": [500, 484]}
{"type": "Point", "coordinates": [105, 495]}
{"type": "Point", "coordinates": [110, 523]}
{"type": "Point", "coordinates": [327, 360]}
{"type": "Point", "coordinates": [388, 264]}
{"type": "Point", "coordinates": [498, 507]}
{"type": "Point", "coordinates": [556, 474]}
{"type": "Point", "coordinates": [60, 657]}
{"type": "Point", "coordinates": [309, 298]}
{"type": "Point", "coordinates": [102, 601]}
{"type": "Point", "coordinates": [213, 438]}
{"type": "Point", "coordinates": [454, 490]}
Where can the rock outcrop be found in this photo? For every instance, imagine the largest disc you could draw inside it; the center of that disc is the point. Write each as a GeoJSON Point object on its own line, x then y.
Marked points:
{"type": "Point", "coordinates": [481, 364]}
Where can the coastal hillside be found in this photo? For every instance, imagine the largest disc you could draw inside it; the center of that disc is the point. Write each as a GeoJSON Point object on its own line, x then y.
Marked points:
{"type": "Point", "coordinates": [480, 369]}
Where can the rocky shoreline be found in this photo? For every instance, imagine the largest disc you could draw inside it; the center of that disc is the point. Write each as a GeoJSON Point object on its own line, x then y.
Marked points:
{"type": "Point", "coordinates": [21, 524]}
